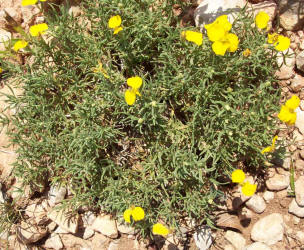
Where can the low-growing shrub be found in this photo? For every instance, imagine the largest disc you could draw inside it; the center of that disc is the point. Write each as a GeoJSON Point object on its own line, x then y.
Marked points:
{"type": "Point", "coordinates": [197, 115]}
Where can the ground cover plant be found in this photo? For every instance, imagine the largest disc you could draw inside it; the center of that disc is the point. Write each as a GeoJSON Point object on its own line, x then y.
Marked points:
{"type": "Point", "coordinates": [130, 110]}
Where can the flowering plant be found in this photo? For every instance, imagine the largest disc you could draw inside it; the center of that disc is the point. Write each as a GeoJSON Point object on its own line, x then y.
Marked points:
{"type": "Point", "coordinates": [126, 107]}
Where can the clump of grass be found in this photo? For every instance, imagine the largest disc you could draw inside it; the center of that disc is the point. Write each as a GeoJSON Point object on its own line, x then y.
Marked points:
{"type": "Point", "coordinates": [198, 115]}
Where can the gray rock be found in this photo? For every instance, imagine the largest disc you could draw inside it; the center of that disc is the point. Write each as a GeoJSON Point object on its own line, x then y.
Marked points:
{"type": "Point", "coordinates": [295, 209]}
{"type": "Point", "coordinates": [38, 212]}
{"type": "Point", "coordinates": [56, 194]}
{"type": "Point", "coordinates": [125, 229]}
{"type": "Point", "coordinates": [268, 196]}
{"type": "Point", "coordinates": [302, 154]}
{"type": "Point", "coordinates": [88, 233]}
{"type": "Point", "coordinates": [203, 238]}
{"type": "Point", "coordinates": [287, 65]}
{"type": "Point", "coordinates": [54, 242]}
{"type": "Point", "coordinates": [300, 120]}
{"type": "Point", "coordinates": [257, 246]}
{"type": "Point", "coordinates": [300, 61]}
{"type": "Point", "coordinates": [299, 190]}
{"type": "Point", "coordinates": [278, 182]}
{"type": "Point", "coordinates": [291, 14]}
{"type": "Point", "coordinates": [209, 10]}
{"type": "Point", "coordinates": [256, 204]}
{"type": "Point", "coordinates": [105, 225]}
{"type": "Point", "coordinates": [5, 37]}
{"type": "Point", "coordinates": [64, 219]}
{"type": "Point", "coordinates": [269, 229]}
{"type": "Point", "coordinates": [27, 232]}
{"type": "Point", "coordinates": [297, 83]}
{"type": "Point", "coordinates": [88, 218]}
{"type": "Point", "coordinates": [236, 239]}
{"type": "Point", "coordinates": [299, 164]}
{"type": "Point", "coordinates": [300, 237]}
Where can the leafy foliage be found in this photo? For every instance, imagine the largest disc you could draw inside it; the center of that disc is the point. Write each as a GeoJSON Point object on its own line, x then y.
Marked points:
{"type": "Point", "coordinates": [198, 115]}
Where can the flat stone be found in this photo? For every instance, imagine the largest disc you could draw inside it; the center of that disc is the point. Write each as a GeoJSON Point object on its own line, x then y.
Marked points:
{"type": "Point", "coordinates": [300, 120]}
{"type": "Point", "coordinates": [51, 226]}
{"type": "Point", "coordinates": [229, 247]}
{"type": "Point", "coordinates": [269, 229]}
{"type": "Point", "coordinates": [125, 229]}
{"type": "Point", "coordinates": [99, 241]}
{"type": "Point", "coordinates": [291, 14]}
{"type": "Point", "coordinates": [203, 238]}
{"type": "Point", "coordinates": [56, 194]}
{"type": "Point", "coordinates": [295, 209]}
{"type": "Point", "coordinates": [88, 218]}
{"type": "Point", "coordinates": [27, 232]}
{"type": "Point", "coordinates": [256, 204]}
{"type": "Point", "coordinates": [287, 65]}
{"type": "Point", "coordinates": [300, 236]}
{"type": "Point", "coordinates": [54, 242]}
{"type": "Point", "coordinates": [72, 242]}
{"type": "Point", "coordinates": [299, 164]}
{"type": "Point", "coordinates": [64, 220]}
{"type": "Point", "coordinates": [88, 233]}
{"type": "Point", "coordinates": [268, 196]}
{"type": "Point", "coordinates": [38, 212]}
{"type": "Point", "coordinates": [60, 230]}
{"type": "Point", "coordinates": [236, 239]}
{"type": "Point", "coordinates": [278, 182]}
{"type": "Point", "coordinates": [105, 225]}
{"type": "Point", "coordinates": [300, 61]}
{"type": "Point", "coordinates": [297, 83]}
{"type": "Point", "coordinates": [209, 10]}
{"type": "Point", "coordinates": [5, 37]}
{"type": "Point", "coordinates": [299, 191]}
{"type": "Point", "coordinates": [257, 246]}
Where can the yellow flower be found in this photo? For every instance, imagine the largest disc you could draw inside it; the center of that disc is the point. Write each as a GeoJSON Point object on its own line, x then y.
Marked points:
{"type": "Point", "coordinates": [134, 82]}
{"type": "Point", "coordinates": [114, 23]}
{"type": "Point", "coordinates": [137, 214]}
{"type": "Point", "coordinates": [220, 48]}
{"type": "Point", "coordinates": [229, 42]}
{"type": "Point", "coordinates": [287, 113]}
{"type": "Point", "coordinates": [287, 116]}
{"type": "Point", "coordinates": [38, 29]}
{"type": "Point", "coordinates": [127, 215]}
{"type": "Point", "coordinates": [193, 36]}
{"type": "Point", "coordinates": [261, 20]}
{"type": "Point", "coordinates": [20, 44]}
{"type": "Point", "coordinates": [238, 176]}
{"type": "Point", "coordinates": [233, 42]}
{"type": "Point", "coordinates": [248, 189]}
{"type": "Point", "coordinates": [272, 38]}
{"type": "Point", "coordinates": [217, 30]}
{"type": "Point", "coordinates": [28, 2]}
{"type": "Point", "coordinates": [1, 70]}
{"type": "Point", "coordinates": [247, 52]}
{"type": "Point", "coordinates": [160, 229]}
{"type": "Point", "coordinates": [130, 96]}
{"type": "Point", "coordinates": [270, 148]}
{"type": "Point", "coordinates": [280, 42]}
{"type": "Point", "coordinates": [100, 69]}
{"type": "Point", "coordinates": [116, 30]}
{"type": "Point", "coordinates": [293, 102]}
